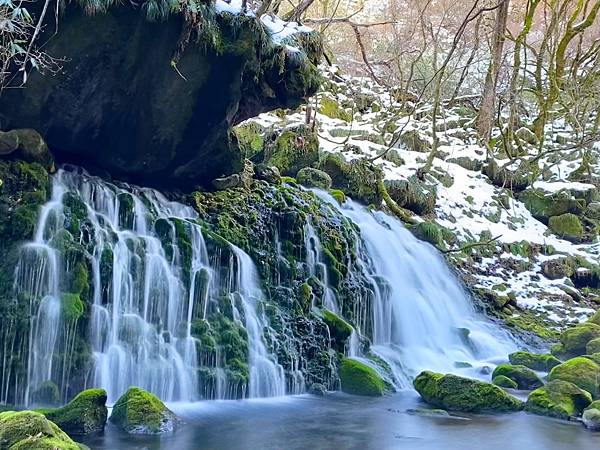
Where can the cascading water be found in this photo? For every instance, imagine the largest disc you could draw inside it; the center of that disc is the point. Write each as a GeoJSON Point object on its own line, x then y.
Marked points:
{"type": "Point", "coordinates": [422, 317]}
{"type": "Point", "coordinates": [146, 290]}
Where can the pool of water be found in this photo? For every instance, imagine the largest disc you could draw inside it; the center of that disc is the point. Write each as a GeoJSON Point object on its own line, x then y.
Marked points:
{"type": "Point", "coordinates": [341, 422]}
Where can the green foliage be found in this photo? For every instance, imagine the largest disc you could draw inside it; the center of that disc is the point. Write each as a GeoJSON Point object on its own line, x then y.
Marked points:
{"type": "Point", "coordinates": [559, 399]}
{"type": "Point", "coordinates": [359, 379]}
{"type": "Point", "coordinates": [463, 394]}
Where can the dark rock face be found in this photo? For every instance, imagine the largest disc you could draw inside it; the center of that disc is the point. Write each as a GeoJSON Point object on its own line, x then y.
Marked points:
{"type": "Point", "coordinates": [119, 105]}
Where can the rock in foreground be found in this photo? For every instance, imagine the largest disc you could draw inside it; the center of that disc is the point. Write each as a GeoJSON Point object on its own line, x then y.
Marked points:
{"type": "Point", "coordinates": [525, 378]}
{"type": "Point", "coordinates": [86, 413]}
{"type": "Point", "coordinates": [140, 412]}
{"type": "Point", "coordinates": [463, 394]}
{"type": "Point", "coordinates": [29, 430]}
{"type": "Point", "coordinates": [580, 371]}
{"type": "Point", "coordinates": [559, 399]}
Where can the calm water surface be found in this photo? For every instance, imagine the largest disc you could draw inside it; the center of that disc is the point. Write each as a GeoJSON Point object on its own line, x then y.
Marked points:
{"type": "Point", "coordinates": [341, 422]}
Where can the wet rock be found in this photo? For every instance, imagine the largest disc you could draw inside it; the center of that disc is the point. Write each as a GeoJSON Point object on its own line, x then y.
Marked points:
{"type": "Point", "coordinates": [140, 412]}
{"type": "Point", "coordinates": [456, 393]}
{"type": "Point", "coordinates": [317, 389]}
{"type": "Point", "coordinates": [29, 430]}
{"type": "Point", "coordinates": [314, 178]}
{"type": "Point", "coordinates": [270, 174]}
{"type": "Point", "coordinates": [544, 362]}
{"type": "Point", "coordinates": [560, 399]}
{"type": "Point", "coordinates": [9, 142]}
{"type": "Point", "coordinates": [591, 419]}
{"type": "Point", "coordinates": [526, 379]}
{"type": "Point", "coordinates": [504, 382]}
{"type": "Point", "coordinates": [575, 339]}
{"type": "Point", "coordinates": [557, 268]}
{"type": "Point", "coordinates": [359, 379]}
{"type": "Point", "coordinates": [86, 413]}
{"type": "Point", "coordinates": [580, 371]}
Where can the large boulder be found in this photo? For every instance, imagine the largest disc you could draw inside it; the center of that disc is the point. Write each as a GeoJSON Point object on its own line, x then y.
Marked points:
{"type": "Point", "coordinates": [591, 419]}
{"type": "Point", "coordinates": [575, 339]}
{"type": "Point", "coordinates": [544, 362]}
{"type": "Point", "coordinates": [559, 399]}
{"type": "Point", "coordinates": [313, 178]}
{"type": "Point", "coordinates": [86, 413]}
{"type": "Point", "coordinates": [29, 430]}
{"type": "Point", "coordinates": [360, 379]}
{"type": "Point", "coordinates": [580, 371]}
{"type": "Point", "coordinates": [525, 378]}
{"type": "Point", "coordinates": [359, 179]}
{"type": "Point", "coordinates": [144, 101]}
{"type": "Point", "coordinates": [141, 412]}
{"type": "Point", "coordinates": [543, 205]}
{"type": "Point", "coordinates": [293, 150]}
{"type": "Point", "coordinates": [463, 394]}
{"type": "Point", "coordinates": [567, 226]}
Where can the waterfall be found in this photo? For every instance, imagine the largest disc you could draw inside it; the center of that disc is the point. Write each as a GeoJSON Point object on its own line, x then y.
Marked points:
{"type": "Point", "coordinates": [422, 317]}
{"type": "Point", "coordinates": [151, 278]}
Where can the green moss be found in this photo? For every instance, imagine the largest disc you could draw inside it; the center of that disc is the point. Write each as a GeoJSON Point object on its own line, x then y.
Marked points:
{"type": "Point", "coordinates": [293, 150]}
{"type": "Point", "coordinates": [543, 206]}
{"type": "Point", "coordinates": [567, 226]}
{"type": "Point", "coordinates": [504, 382]}
{"type": "Point", "coordinates": [250, 138]}
{"type": "Point", "coordinates": [531, 322]}
{"type": "Point", "coordinates": [86, 413]}
{"type": "Point", "coordinates": [593, 346]}
{"type": "Point", "coordinates": [79, 279]}
{"type": "Point", "coordinates": [72, 306]}
{"type": "Point", "coordinates": [575, 339]}
{"type": "Point", "coordinates": [306, 296]}
{"type": "Point", "coordinates": [524, 377]}
{"type": "Point", "coordinates": [32, 431]}
{"type": "Point", "coordinates": [333, 110]}
{"type": "Point", "coordinates": [580, 371]}
{"type": "Point", "coordinates": [359, 379]}
{"type": "Point", "coordinates": [413, 194]}
{"type": "Point", "coordinates": [463, 394]}
{"type": "Point", "coordinates": [429, 232]}
{"type": "Point", "coordinates": [534, 361]}
{"type": "Point", "coordinates": [338, 195]}
{"type": "Point", "coordinates": [559, 399]}
{"type": "Point", "coordinates": [139, 411]}
{"type": "Point", "coordinates": [313, 178]}
{"type": "Point", "coordinates": [339, 329]}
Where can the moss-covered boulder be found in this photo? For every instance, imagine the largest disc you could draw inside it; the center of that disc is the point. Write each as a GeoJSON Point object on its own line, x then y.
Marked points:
{"type": "Point", "coordinates": [339, 329]}
{"type": "Point", "coordinates": [580, 371]}
{"type": "Point", "coordinates": [559, 399]}
{"type": "Point", "coordinates": [292, 150]}
{"type": "Point", "coordinates": [29, 430]}
{"type": "Point", "coordinates": [141, 412]}
{"type": "Point", "coordinates": [591, 419]}
{"type": "Point", "coordinates": [557, 268]}
{"type": "Point", "coordinates": [412, 194]}
{"type": "Point", "coordinates": [575, 339]}
{"type": "Point", "coordinates": [593, 346]}
{"type": "Point", "coordinates": [504, 382]}
{"type": "Point", "coordinates": [360, 379]}
{"type": "Point", "coordinates": [525, 378]}
{"type": "Point", "coordinates": [544, 362]}
{"type": "Point", "coordinates": [313, 178]}
{"type": "Point", "coordinates": [544, 205]}
{"type": "Point", "coordinates": [567, 226]}
{"type": "Point", "coordinates": [86, 413]}
{"type": "Point", "coordinates": [463, 394]}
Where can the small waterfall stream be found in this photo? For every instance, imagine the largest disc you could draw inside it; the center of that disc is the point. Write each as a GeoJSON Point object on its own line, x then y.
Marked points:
{"type": "Point", "coordinates": [422, 317]}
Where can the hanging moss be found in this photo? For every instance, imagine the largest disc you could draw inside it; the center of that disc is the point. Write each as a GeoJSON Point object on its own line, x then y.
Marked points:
{"type": "Point", "coordinates": [72, 306]}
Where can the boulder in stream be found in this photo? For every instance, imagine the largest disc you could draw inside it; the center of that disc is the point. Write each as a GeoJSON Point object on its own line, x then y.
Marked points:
{"type": "Point", "coordinates": [141, 412]}
{"type": "Point", "coordinates": [30, 430]}
{"type": "Point", "coordinates": [360, 379]}
{"type": "Point", "coordinates": [452, 392]}
{"type": "Point", "coordinates": [86, 413]}
{"type": "Point", "coordinates": [525, 378]}
{"type": "Point", "coordinates": [559, 399]}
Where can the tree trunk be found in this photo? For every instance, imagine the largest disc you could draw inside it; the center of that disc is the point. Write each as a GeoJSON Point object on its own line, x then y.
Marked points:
{"type": "Point", "coordinates": [487, 112]}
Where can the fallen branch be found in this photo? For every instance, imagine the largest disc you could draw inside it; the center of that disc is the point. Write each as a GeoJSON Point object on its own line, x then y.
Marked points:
{"type": "Point", "coordinates": [473, 245]}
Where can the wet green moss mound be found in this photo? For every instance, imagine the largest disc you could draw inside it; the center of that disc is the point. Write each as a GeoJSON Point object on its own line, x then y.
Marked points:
{"type": "Point", "coordinates": [360, 379]}
{"type": "Point", "coordinates": [86, 413]}
{"type": "Point", "coordinates": [141, 412]}
{"type": "Point", "coordinates": [559, 399]}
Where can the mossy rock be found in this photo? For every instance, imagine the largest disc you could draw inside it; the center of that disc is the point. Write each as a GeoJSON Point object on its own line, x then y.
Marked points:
{"type": "Point", "coordinates": [594, 405]}
{"type": "Point", "coordinates": [593, 346]}
{"type": "Point", "coordinates": [595, 318]}
{"type": "Point", "coordinates": [72, 306]}
{"type": "Point", "coordinates": [313, 178]}
{"type": "Point", "coordinates": [414, 142]}
{"type": "Point", "coordinates": [543, 206]}
{"type": "Point", "coordinates": [575, 339]}
{"type": "Point", "coordinates": [360, 379]}
{"type": "Point", "coordinates": [591, 419]}
{"type": "Point", "coordinates": [29, 430]}
{"type": "Point", "coordinates": [558, 268]}
{"type": "Point", "coordinates": [580, 371]}
{"type": "Point", "coordinates": [504, 382]}
{"type": "Point", "coordinates": [293, 150]}
{"type": "Point", "coordinates": [412, 194]}
{"type": "Point", "coordinates": [567, 226]}
{"type": "Point", "coordinates": [558, 398]}
{"type": "Point", "coordinates": [333, 110]}
{"type": "Point", "coordinates": [428, 232]}
{"type": "Point", "coordinates": [463, 394]}
{"type": "Point", "coordinates": [339, 329]}
{"type": "Point", "coordinates": [515, 180]}
{"type": "Point", "coordinates": [86, 413]}
{"type": "Point", "coordinates": [141, 412]}
{"type": "Point", "coordinates": [525, 378]}
{"type": "Point", "coordinates": [544, 362]}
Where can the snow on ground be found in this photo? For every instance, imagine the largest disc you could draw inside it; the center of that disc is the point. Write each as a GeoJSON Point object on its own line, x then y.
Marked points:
{"type": "Point", "coordinates": [470, 206]}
